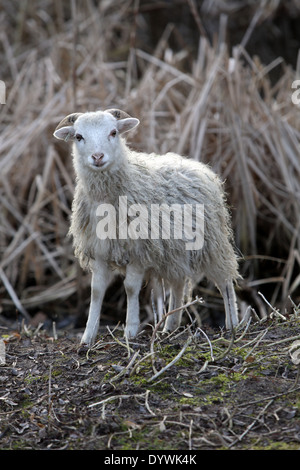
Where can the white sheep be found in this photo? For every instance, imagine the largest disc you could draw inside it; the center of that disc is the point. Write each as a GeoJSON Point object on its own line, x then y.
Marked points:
{"type": "Point", "coordinates": [109, 174]}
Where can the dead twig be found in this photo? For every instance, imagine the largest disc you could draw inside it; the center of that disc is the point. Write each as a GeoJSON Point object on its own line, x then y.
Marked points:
{"type": "Point", "coordinates": [170, 364]}
{"type": "Point", "coordinates": [248, 429]}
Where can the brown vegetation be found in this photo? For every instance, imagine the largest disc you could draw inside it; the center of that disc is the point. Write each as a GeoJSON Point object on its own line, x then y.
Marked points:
{"type": "Point", "coordinates": [209, 102]}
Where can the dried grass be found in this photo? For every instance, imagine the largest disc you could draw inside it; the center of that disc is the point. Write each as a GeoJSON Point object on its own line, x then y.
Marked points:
{"type": "Point", "coordinates": [224, 111]}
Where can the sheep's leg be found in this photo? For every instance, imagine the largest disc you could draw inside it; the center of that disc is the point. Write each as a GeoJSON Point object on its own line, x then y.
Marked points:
{"type": "Point", "coordinates": [176, 300]}
{"type": "Point", "coordinates": [231, 316]}
{"type": "Point", "coordinates": [133, 283]}
{"type": "Point", "coordinates": [101, 277]}
{"type": "Point", "coordinates": [159, 295]}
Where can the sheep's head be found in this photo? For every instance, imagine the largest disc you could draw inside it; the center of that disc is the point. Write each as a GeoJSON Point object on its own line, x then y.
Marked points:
{"type": "Point", "coordinates": [95, 136]}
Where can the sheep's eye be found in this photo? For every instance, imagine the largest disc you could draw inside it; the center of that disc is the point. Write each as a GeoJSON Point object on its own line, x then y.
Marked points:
{"type": "Point", "coordinates": [79, 137]}
{"type": "Point", "coordinates": [113, 133]}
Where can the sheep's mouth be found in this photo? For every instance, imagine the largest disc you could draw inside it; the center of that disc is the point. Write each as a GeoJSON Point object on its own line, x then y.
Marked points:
{"type": "Point", "coordinates": [99, 164]}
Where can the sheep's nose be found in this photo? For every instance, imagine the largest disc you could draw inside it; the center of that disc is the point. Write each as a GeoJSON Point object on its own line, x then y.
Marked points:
{"type": "Point", "coordinates": [97, 157]}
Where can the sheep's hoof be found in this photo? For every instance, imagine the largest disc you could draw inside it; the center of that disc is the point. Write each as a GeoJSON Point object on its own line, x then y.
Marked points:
{"type": "Point", "coordinates": [165, 332]}
{"type": "Point", "coordinates": [131, 332]}
{"type": "Point", "coordinates": [83, 349]}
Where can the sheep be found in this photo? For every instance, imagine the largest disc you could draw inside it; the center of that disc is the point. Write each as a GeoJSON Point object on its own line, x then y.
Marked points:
{"type": "Point", "coordinates": [110, 174]}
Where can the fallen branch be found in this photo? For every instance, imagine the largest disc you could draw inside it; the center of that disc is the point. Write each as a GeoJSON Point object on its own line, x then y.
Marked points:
{"type": "Point", "coordinates": [176, 358]}
{"type": "Point", "coordinates": [260, 414]}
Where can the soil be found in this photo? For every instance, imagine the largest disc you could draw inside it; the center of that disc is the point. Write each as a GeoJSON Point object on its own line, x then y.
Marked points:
{"type": "Point", "coordinates": [218, 393]}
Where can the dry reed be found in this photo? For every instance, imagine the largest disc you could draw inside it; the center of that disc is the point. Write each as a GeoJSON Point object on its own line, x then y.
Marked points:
{"type": "Point", "coordinates": [224, 111]}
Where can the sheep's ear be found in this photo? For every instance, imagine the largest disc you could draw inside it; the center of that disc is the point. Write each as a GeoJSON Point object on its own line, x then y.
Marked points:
{"type": "Point", "coordinates": [65, 133]}
{"type": "Point", "coordinates": [124, 125]}
{"type": "Point", "coordinates": [65, 130]}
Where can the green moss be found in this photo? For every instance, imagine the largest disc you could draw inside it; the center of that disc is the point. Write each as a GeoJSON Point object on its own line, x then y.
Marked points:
{"type": "Point", "coordinates": [132, 439]}
{"type": "Point", "coordinates": [17, 445]}
{"type": "Point", "coordinates": [56, 372]}
{"type": "Point", "coordinates": [191, 355]}
{"type": "Point", "coordinates": [26, 403]}
{"type": "Point", "coordinates": [30, 379]}
{"type": "Point", "coordinates": [277, 446]}
{"type": "Point", "coordinates": [212, 390]}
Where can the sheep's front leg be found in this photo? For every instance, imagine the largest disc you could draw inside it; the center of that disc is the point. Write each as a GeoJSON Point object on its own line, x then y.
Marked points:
{"type": "Point", "coordinates": [101, 277]}
{"type": "Point", "coordinates": [176, 300]}
{"type": "Point", "coordinates": [133, 283]}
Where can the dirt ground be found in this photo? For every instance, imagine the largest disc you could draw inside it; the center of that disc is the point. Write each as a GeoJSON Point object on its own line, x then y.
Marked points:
{"type": "Point", "coordinates": [193, 390]}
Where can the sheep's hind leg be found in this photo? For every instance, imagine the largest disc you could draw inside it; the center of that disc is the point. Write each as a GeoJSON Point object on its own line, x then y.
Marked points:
{"type": "Point", "coordinates": [133, 283]}
{"type": "Point", "coordinates": [176, 300]}
{"type": "Point", "coordinates": [231, 315]}
{"type": "Point", "coordinates": [101, 277]}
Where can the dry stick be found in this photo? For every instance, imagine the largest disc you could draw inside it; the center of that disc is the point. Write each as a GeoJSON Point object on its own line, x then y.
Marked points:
{"type": "Point", "coordinates": [260, 338]}
{"type": "Point", "coordinates": [197, 18]}
{"type": "Point", "coordinates": [18, 251]}
{"type": "Point", "coordinates": [166, 67]}
{"type": "Point", "coordinates": [25, 225]}
{"type": "Point", "coordinates": [49, 389]}
{"type": "Point", "coordinates": [260, 414]}
{"type": "Point", "coordinates": [285, 340]}
{"type": "Point", "coordinates": [50, 401]}
{"type": "Point", "coordinates": [232, 340]}
{"type": "Point", "coordinates": [273, 397]}
{"type": "Point", "coordinates": [131, 63]}
{"type": "Point", "coordinates": [208, 340]}
{"type": "Point", "coordinates": [161, 371]}
{"type": "Point", "coordinates": [129, 350]}
{"type": "Point", "coordinates": [115, 397]}
{"type": "Point", "coordinates": [75, 39]}
{"type": "Point", "coordinates": [13, 295]}
{"type": "Point", "coordinates": [295, 307]}
{"type": "Point", "coordinates": [277, 313]}
{"type": "Point", "coordinates": [190, 435]}
{"type": "Point", "coordinates": [127, 368]}
{"type": "Point", "coordinates": [250, 29]}
{"type": "Point", "coordinates": [199, 107]}
{"type": "Point", "coordinates": [147, 404]}
{"type": "Point", "coordinates": [247, 184]}
{"type": "Point", "coordinates": [295, 384]}
{"type": "Point", "coordinates": [180, 354]}
{"type": "Point", "coordinates": [158, 325]}
{"type": "Point", "coordinates": [290, 266]}
{"type": "Point", "coordinates": [197, 300]}
{"type": "Point", "coordinates": [118, 397]}
{"type": "Point", "coordinates": [54, 330]}
{"type": "Point", "coordinates": [139, 362]}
